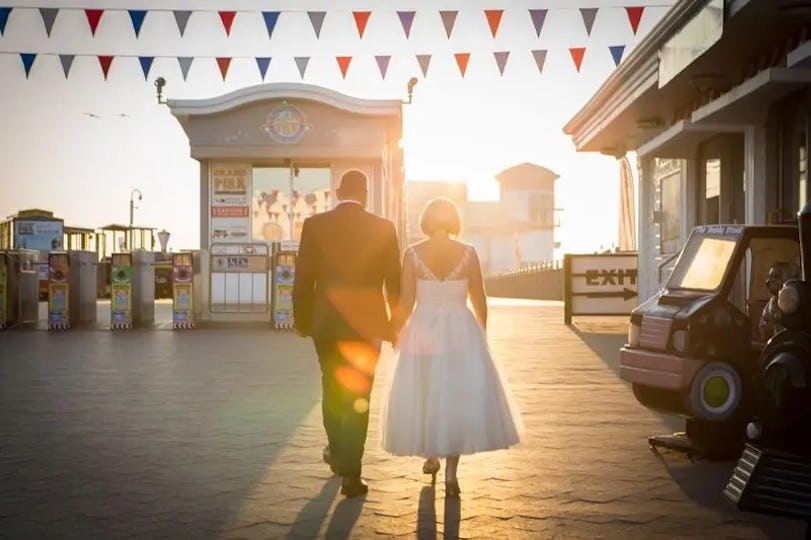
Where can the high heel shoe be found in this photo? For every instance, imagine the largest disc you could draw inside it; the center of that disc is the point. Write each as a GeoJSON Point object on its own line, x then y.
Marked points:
{"type": "Point", "coordinates": [452, 489]}
{"type": "Point", "coordinates": [431, 466]}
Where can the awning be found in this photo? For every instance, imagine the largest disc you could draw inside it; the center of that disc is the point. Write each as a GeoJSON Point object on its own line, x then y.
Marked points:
{"type": "Point", "coordinates": [749, 102]}
{"type": "Point", "coordinates": [681, 140]}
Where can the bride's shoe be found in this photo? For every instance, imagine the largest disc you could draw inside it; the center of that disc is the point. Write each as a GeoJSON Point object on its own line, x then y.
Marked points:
{"type": "Point", "coordinates": [431, 466]}
{"type": "Point", "coordinates": [452, 489]}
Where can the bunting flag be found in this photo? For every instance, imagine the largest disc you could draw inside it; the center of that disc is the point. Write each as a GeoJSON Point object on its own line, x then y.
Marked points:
{"type": "Point", "coordinates": [616, 53]}
{"type": "Point", "coordinates": [105, 62]}
{"type": "Point", "coordinates": [424, 60]}
{"type": "Point", "coordinates": [182, 19]}
{"type": "Point", "coordinates": [28, 61]}
{"type": "Point", "coordinates": [271, 18]}
{"type": "Point", "coordinates": [146, 65]}
{"type": "Point", "coordinates": [361, 19]}
{"type": "Point", "coordinates": [538, 17]}
{"type": "Point", "coordinates": [577, 56]}
{"type": "Point", "coordinates": [588, 14]}
{"type": "Point", "coordinates": [501, 60]}
{"type": "Point", "coordinates": [4, 13]}
{"type": "Point", "coordinates": [493, 19]}
{"type": "Point", "coordinates": [383, 64]}
{"type": "Point", "coordinates": [448, 20]}
{"type": "Point", "coordinates": [227, 18]}
{"type": "Point", "coordinates": [67, 61]}
{"type": "Point", "coordinates": [540, 58]}
{"type": "Point", "coordinates": [93, 18]}
{"type": "Point", "coordinates": [461, 61]}
{"type": "Point", "coordinates": [223, 62]}
{"type": "Point", "coordinates": [185, 63]}
{"type": "Point", "coordinates": [406, 20]}
{"type": "Point", "coordinates": [301, 63]}
{"type": "Point", "coordinates": [263, 63]}
{"type": "Point", "coordinates": [317, 20]}
{"type": "Point", "coordinates": [48, 18]}
{"type": "Point", "coordinates": [634, 16]}
{"type": "Point", "coordinates": [343, 63]}
{"type": "Point", "coordinates": [137, 17]}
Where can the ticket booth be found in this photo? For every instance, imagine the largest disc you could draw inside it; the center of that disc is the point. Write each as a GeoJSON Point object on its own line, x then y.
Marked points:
{"type": "Point", "coordinates": [271, 156]}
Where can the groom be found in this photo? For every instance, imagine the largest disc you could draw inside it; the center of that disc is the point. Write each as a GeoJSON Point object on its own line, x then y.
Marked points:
{"type": "Point", "coordinates": [345, 258]}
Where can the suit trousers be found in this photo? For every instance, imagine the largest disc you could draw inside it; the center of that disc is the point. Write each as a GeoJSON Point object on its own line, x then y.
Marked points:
{"type": "Point", "coordinates": [347, 375]}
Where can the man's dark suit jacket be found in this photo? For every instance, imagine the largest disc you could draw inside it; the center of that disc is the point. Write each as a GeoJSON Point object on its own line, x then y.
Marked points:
{"type": "Point", "coordinates": [346, 256]}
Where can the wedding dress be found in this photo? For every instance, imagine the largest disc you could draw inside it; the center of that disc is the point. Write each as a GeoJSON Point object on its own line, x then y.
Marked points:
{"type": "Point", "coordinates": [446, 396]}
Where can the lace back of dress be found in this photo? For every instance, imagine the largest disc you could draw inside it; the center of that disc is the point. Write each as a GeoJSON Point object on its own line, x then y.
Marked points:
{"type": "Point", "coordinates": [424, 272]}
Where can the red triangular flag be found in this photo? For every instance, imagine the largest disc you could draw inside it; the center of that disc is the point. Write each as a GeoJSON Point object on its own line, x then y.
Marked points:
{"type": "Point", "coordinates": [105, 62]}
{"type": "Point", "coordinates": [223, 63]}
{"type": "Point", "coordinates": [93, 18]}
{"type": "Point", "coordinates": [461, 61]}
{"type": "Point", "coordinates": [361, 18]}
{"type": "Point", "coordinates": [577, 55]}
{"type": "Point", "coordinates": [634, 16]}
{"type": "Point", "coordinates": [343, 63]}
{"type": "Point", "coordinates": [227, 18]}
{"type": "Point", "coordinates": [493, 19]}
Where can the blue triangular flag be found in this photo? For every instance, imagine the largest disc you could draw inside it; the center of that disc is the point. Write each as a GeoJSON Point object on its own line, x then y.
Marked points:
{"type": "Point", "coordinates": [270, 22]}
{"type": "Point", "coordinates": [262, 64]}
{"type": "Point", "coordinates": [28, 61]}
{"type": "Point", "coordinates": [137, 16]}
{"type": "Point", "coordinates": [4, 13]}
{"type": "Point", "coordinates": [146, 64]}
{"type": "Point", "coordinates": [616, 53]}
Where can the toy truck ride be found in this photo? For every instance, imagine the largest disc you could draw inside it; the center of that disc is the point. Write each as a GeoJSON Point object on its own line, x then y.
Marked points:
{"type": "Point", "coordinates": [693, 348]}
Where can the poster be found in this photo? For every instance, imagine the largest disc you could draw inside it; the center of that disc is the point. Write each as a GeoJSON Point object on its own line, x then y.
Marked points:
{"type": "Point", "coordinates": [58, 306]}
{"type": "Point", "coordinates": [182, 305]}
{"type": "Point", "coordinates": [283, 278]}
{"type": "Point", "coordinates": [121, 292]}
{"type": "Point", "coordinates": [45, 235]}
{"type": "Point", "coordinates": [230, 205]}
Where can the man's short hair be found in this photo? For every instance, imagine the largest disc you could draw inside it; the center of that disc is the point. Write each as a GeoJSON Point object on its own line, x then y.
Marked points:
{"type": "Point", "coordinates": [440, 214]}
{"type": "Point", "coordinates": [352, 183]}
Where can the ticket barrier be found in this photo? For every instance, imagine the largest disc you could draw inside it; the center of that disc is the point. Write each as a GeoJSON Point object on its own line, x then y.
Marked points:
{"type": "Point", "coordinates": [182, 290]}
{"type": "Point", "coordinates": [19, 287]}
{"type": "Point", "coordinates": [284, 273]}
{"type": "Point", "coordinates": [132, 289]}
{"type": "Point", "coordinates": [71, 289]}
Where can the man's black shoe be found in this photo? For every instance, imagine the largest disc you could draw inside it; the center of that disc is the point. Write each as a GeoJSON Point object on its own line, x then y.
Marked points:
{"type": "Point", "coordinates": [327, 456]}
{"type": "Point", "coordinates": [352, 486]}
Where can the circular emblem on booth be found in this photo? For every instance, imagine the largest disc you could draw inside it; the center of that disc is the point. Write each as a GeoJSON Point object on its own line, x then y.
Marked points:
{"type": "Point", "coordinates": [286, 124]}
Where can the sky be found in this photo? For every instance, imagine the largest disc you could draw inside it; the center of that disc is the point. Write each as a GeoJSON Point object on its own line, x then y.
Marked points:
{"type": "Point", "coordinates": [79, 146]}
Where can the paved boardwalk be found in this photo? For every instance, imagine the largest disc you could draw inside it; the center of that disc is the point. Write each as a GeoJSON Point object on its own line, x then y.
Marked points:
{"type": "Point", "coordinates": [216, 433]}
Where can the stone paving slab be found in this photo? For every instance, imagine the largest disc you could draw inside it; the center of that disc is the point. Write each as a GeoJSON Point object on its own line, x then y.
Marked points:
{"type": "Point", "coordinates": [216, 433]}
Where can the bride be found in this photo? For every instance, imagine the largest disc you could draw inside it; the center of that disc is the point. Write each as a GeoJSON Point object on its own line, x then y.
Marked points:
{"type": "Point", "coordinates": [446, 397]}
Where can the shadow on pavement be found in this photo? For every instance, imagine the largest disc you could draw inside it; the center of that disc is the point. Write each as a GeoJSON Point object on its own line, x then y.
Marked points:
{"type": "Point", "coordinates": [426, 514]}
{"type": "Point", "coordinates": [344, 517]}
{"type": "Point", "coordinates": [312, 515]}
{"type": "Point", "coordinates": [453, 513]}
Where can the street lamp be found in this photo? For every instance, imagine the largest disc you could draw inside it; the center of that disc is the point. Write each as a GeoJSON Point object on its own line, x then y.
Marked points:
{"type": "Point", "coordinates": [132, 211]}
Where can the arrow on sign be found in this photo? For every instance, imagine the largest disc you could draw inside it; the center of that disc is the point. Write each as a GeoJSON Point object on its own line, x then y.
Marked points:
{"type": "Point", "coordinates": [625, 294]}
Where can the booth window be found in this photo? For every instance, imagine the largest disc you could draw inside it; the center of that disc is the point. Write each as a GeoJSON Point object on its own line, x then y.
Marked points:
{"type": "Point", "coordinates": [283, 197]}
{"type": "Point", "coordinates": [670, 207]}
{"type": "Point", "coordinates": [712, 191]}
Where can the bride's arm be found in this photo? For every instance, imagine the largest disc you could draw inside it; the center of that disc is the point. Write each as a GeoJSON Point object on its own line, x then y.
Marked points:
{"type": "Point", "coordinates": [475, 289]}
{"type": "Point", "coordinates": [407, 294]}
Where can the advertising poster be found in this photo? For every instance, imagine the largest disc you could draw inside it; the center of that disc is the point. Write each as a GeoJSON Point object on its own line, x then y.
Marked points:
{"type": "Point", "coordinates": [121, 291]}
{"type": "Point", "coordinates": [38, 234]}
{"type": "Point", "coordinates": [230, 204]}
{"type": "Point", "coordinates": [58, 306]}
{"type": "Point", "coordinates": [283, 276]}
{"type": "Point", "coordinates": [3, 296]}
{"type": "Point", "coordinates": [182, 307]}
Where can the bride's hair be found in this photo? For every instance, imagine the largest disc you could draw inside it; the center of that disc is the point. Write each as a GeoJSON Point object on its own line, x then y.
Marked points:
{"type": "Point", "coordinates": [440, 214]}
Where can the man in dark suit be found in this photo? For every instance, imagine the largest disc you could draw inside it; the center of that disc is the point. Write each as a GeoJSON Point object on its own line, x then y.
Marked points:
{"type": "Point", "coordinates": [345, 258]}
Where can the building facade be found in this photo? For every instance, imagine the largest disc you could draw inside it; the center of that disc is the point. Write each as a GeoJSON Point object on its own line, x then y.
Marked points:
{"type": "Point", "coordinates": [716, 103]}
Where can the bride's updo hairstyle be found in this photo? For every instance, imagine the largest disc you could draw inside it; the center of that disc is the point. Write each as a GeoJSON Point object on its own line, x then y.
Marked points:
{"type": "Point", "coordinates": [440, 214]}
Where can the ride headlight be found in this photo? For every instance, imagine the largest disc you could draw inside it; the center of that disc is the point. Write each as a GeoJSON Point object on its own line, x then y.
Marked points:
{"type": "Point", "coordinates": [633, 334]}
{"type": "Point", "coordinates": [788, 299]}
{"type": "Point", "coordinates": [679, 340]}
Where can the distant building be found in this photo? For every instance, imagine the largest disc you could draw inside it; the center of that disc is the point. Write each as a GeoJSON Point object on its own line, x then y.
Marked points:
{"type": "Point", "coordinates": [516, 230]}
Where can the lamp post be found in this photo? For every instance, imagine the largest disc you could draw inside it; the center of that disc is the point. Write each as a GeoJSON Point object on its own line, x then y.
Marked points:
{"type": "Point", "coordinates": [132, 212]}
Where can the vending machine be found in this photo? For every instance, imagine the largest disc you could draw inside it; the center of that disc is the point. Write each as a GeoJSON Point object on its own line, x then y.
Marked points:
{"type": "Point", "coordinates": [182, 291]}
{"type": "Point", "coordinates": [121, 291]}
{"type": "Point", "coordinates": [58, 291]}
{"type": "Point", "coordinates": [284, 272]}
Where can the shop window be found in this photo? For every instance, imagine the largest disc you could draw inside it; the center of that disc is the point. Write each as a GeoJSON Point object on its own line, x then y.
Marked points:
{"type": "Point", "coordinates": [669, 208]}
{"type": "Point", "coordinates": [283, 197]}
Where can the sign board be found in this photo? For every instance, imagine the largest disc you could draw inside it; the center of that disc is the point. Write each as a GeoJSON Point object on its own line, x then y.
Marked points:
{"type": "Point", "coordinates": [230, 202]}
{"type": "Point", "coordinates": [600, 284]}
{"type": "Point", "coordinates": [44, 235]}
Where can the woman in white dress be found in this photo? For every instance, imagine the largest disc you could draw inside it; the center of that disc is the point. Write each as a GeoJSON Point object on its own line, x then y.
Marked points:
{"type": "Point", "coordinates": [446, 397]}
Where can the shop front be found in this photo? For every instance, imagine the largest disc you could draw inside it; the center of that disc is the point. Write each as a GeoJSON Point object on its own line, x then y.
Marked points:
{"type": "Point", "coordinates": [715, 103]}
{"type": "Point", "coordinates": [271, 156]}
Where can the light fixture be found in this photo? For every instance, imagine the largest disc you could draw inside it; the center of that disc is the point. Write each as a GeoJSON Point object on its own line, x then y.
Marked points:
{"type": "Point", "coordinates": [160, 82]}
{"type": "Point", "coordinates": [412, 82]}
